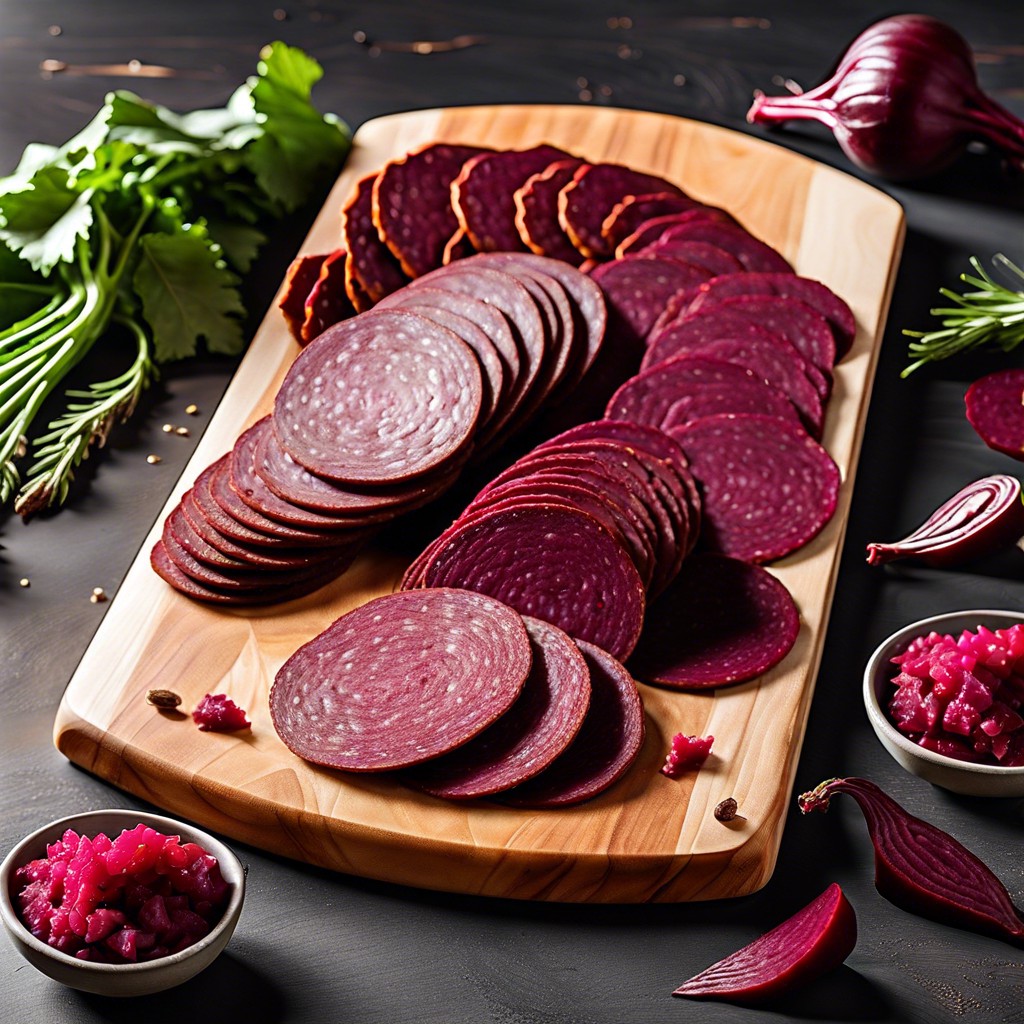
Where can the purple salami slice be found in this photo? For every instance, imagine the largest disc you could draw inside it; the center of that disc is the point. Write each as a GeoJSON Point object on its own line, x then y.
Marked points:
{"type": "Point", "coordinates": [816, 294]}
{"type": "Point", "coordinates": [327, 302]}
{"type": "Point", "coordinates": [754, 253]}
{"type": "Point", "coordinates": [700, 254]}
{"type": "Point", "coordinates": [604, 749]}
{"type": "Point", "coordinates": [770, 356]}
{"type": "Point", "coordinates": [299, 279]}
{"type": "Point", "coordinates": [412, 205]}
{"type": "Point", "coordinates": [557, 564]}
{"type": "Point", "coordinates": [650, 231]}
{"type": "Point", "coordinates": [401, 679]}
{"type": "Point", "coordinates": [626, 216]}
{"type": "Point", "coordinates": [630, 435]}
{"type": "Point", "coordinates": [767, 487]}
{"type": "Point", "coordinates": [650, 396]}
{"type": "Point", "coordinates": [995, 408]}
{"type": "Point", "coordinates": [636, 289]}
{"type": "Point", "coordinates": [458, 247]}
{"type": "Point", "coordinates": [712, 399]}
{"type": "Point", "coordinates": [382, 398]}
{"type": "Point", "coordinates": [483, 194]}
{"type": "Point", "coordinates": [585, 203]}
{"type": "Point", "coordinates": [540, 725]}
{"type": "Point", "coordinates": [722, 621]}
{"type": "Point", "coordinates": [537, 212]}
{"type": "Point", "coordinates": [373, 267]}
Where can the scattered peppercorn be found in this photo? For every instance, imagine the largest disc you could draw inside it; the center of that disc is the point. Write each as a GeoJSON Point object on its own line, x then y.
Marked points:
{"type": "Point", "coordinates": [163, 698]}
{"type": "Point", "coordinates": [726, 811]}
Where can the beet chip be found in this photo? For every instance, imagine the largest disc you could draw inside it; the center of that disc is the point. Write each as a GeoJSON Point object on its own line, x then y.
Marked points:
{"type": "Point", "coordinates": [995, 408]}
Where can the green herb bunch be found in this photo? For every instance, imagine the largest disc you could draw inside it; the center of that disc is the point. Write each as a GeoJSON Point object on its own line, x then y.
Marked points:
{"type": "Point", "coordinates": [143, 221]}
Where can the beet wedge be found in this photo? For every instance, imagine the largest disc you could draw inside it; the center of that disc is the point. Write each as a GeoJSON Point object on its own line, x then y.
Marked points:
{"type": "Point", "coordinates": [921, 869]}
{"type": "Point", "coordinates": [809, 944]}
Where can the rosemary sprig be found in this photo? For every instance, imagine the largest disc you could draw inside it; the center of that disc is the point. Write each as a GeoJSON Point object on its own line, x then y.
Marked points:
{"type": "Point", "coordinates": [991, 314]}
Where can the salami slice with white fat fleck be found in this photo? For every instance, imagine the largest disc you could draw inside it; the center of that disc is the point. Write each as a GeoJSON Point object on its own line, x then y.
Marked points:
{"type": "Point", "coordinates": [722, 621]}
{"type": "Point", "coordinates": [632, 211]}
{"type": "Point", "coordinates": [538, 727]}
{"type": "Point", "coordinates": [767, 487]}
{"type": "Point", "coordinates": [537, 212]}
{"type": "Point", "coordinates": [372, 266]}
{"type": "Point", "coordinates": [401, 679]}
{"type": "Point", "coordinates": [381, 398]}
{"type": "Point", "coordinates": [607, 744]}
{"type": "Point", "coordinates": [651, 231]}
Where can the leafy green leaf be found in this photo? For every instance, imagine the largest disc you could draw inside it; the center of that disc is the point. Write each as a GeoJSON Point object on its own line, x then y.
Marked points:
{"type": "Point", "coordinates": [240, 243]}
{"type": "Point", "coordinates": [187, 293]}
{"type": "Point", "coordinates": [43, 221]}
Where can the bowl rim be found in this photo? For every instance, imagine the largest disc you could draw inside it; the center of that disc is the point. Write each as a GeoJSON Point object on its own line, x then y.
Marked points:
{"type": "Point", "coordinates": [874, 681]}
{"type": "Point", "coordinates": [232, 869]}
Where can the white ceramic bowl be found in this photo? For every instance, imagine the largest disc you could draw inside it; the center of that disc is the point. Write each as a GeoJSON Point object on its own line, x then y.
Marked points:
{"type": "Point", "coordinates": [120, 979]}
{"type": "Point", "coordinates": [948, 772]}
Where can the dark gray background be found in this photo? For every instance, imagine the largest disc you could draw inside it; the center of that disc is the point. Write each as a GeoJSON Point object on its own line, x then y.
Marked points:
{"type": "Point", "coordinates": [315, 946]}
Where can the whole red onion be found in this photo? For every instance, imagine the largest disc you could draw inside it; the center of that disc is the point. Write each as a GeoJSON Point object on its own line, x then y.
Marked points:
{"type": "Point", "coordinates": [904, 101]}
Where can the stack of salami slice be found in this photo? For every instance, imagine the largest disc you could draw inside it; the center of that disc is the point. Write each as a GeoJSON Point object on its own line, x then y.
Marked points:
{"type": "Point", "coordinates": [465, 697]}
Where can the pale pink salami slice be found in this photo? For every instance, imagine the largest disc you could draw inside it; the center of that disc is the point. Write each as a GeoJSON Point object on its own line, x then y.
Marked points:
{"type": "Point", "coordinates": [767, 487]}
{"type": "Point", "coordinates": [412, 205]}
{"type": "Point", "coordinates": [722, 621]}
{"type": "Point", "coordinates": [557, 564]}
{"type": "Point", "coordinates": [372, 265]}
{"type": "Point", "coordinates": [628, 214]}
{"type": "Point", "coordinates": [595, 190]}
{"type": "Point", "coordinates": [607, 745]}
{"type": "Point", "coordinates": [401, 679]}
{"type": "Point", "coordinates": [537, 212]}
{"type": "Point", "coordinates": [381, 398]}
{"type": "Point", "coordinates": [541, 724]}
{"type": "Point", "coordinates": [483, 194]}
{"type": "Point", "coordinates": [995, 408]}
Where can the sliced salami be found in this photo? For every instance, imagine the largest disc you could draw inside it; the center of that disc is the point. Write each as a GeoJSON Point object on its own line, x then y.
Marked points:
{"type": "Point", "coordinates": [608, 743]}
{"type": "Point", "coordinates": [995, 408]}
{"type": "Point", "coordinates": [538, 727]}
{"type": "Point", "coordinates": [632, 211]}
{"type": "Point", "coordinates": [381, 398]}
{"type": "Point", "coordinates": [412, 205]}
{"type": "Point", "coordinates": [401, 679]}
{"type": "Point", "coordinates": [373, 268]}
{"type": "Point", "coordinates": [751, 251]}
{"type": "Point", "coordinates": [299, 279]}
{"type": "Point", "coordinates": [699, 254]}
{"type": "Point", "coordinates": [554, 563]}
{"type": "Point", "coordinates": [651, 231]}
{"type": "Point", "coordinates": [327, 302]}
{"type": "Point", "coordinates": [537, 212]}
{"type": "Point", "coordinates": [767, 487]}
{"type": "Point", "coordinates": [722, 621]}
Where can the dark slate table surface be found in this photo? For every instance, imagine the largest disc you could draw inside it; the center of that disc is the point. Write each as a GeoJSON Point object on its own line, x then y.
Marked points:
{"type": "Point", "coordinates": [314, 946]}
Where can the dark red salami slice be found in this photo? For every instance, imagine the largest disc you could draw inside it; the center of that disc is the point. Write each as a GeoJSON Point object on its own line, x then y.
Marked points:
{"type": "Point", "coordinates": [327, 302]}
{"type": "Point", "coordinates": [483, 194]}
{"type": "Point", "coordinates": [381, 398]}
{"type": "Point", "coordinates": [537, 212]}
{"type": "Point", "coordinates": [650, 231]}
{"type": "Point", "coordinates": [373, 267]}
{"type": "Point", "coordinates": [636, 289]}
{"type": "Point", "coordinates": [540, 725]}
{"type": "Point", "coordinates": [299, 279]}
{"type": "Point", "coordinates": [722, 621]}
{"type": "Point", "coordinates": [595, 190]}
{"type": "Point", "coordinates": [700, 254]}
{"type": "Point", "coordinates": [767, 487]}
{"type": "Point", "coordinates": [995, 408]}
{"type": "Point", "coordinates": [401, 679]}
{"type": "Point", "coordinates": [607, 744]}
{"type": "Point", "coordinates": [751, 251]}
{"type": "Point", "coordinates": [626, 216]}
{"type": "Point", "coordinates": [412, 205]}
{"type": "Point", "coordinates": [554, 563]}
{"type": "Point", "coordinates": [650, 396]}
{"type": "Point", "coordinates": [458, 247]}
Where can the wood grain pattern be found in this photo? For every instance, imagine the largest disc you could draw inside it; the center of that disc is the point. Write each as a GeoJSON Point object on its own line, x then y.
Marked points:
{"type": "Point", "coordinates": [649, 838]}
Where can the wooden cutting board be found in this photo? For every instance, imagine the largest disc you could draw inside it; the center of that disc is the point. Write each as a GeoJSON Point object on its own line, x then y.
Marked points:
{"type": "Point", "coordinates": [648, 839]}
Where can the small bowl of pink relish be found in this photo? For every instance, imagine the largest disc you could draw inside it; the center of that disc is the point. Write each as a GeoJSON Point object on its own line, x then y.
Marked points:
{"type": "Point", "coordinates": [945, 696]}
{"type": "Point", "coordinates": [120, 902]}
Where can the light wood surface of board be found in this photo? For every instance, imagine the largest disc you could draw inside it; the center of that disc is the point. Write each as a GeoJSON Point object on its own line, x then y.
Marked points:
{"type": "Point", "coordinates": [649, 838]}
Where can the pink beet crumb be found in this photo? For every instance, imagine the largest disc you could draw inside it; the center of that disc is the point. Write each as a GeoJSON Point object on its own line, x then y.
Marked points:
{"type": "Point", "coordinates": [687, 753]}
{"type": "Point", "coordinates": [219, 713]}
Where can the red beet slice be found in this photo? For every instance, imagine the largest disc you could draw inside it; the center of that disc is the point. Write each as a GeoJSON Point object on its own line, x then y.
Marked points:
{"type": "Point", "coordinates": [483, 194]}
{"type": "Point", "coordinates": [595, 190]}
{"type": "Point", "coordinates": [768, 488]}
{"type": "Point", "coordinates": [537, 212]}
{"type": "Point", "coordinates": [412, 205]}
{"type": "Point", "coordinates": [995, 408]}
{"type": "Point", "coordinates": [686, 754]}
{"type": "Point", "coordinates": [811, 943]}
{"type": "Point", "coordinates": [555, 563]}
{"type": "Point", "coordinates": [401, 679]}
{"type": "Point", "coordinates": [299, 279]}
{"type": "Point", "coordinates": [632, 211]}
{"type": "Point", "coordinates": [543, 721]}
{"type": "Point", "coordinates": [372, 265]}
{"type": "Point", "coordinates": [721, 621]}
{"type": "Point", "coordinates": [217, 712]}
{"type": "Point", "coordinates": [605, 747]}
{"type": "Point", "coordinates": [924, 870]}
{"type": "Point", "coordinates": [381, 398]}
